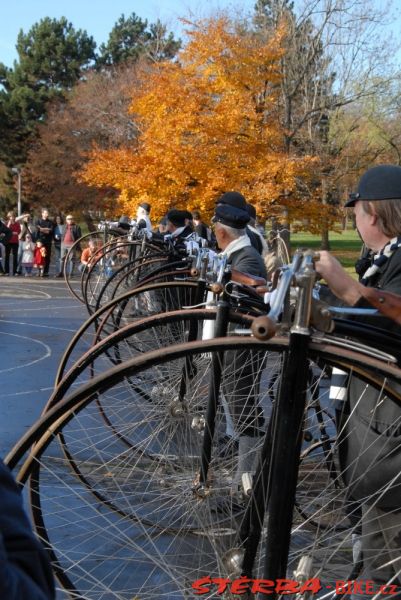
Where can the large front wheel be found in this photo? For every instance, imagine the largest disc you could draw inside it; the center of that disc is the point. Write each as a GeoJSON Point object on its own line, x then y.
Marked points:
{"type": "Point", "coordinates": [170, 534]}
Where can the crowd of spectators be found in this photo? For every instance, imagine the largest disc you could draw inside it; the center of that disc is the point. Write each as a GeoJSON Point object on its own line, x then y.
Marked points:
{"type": "Point", "coordinates": [27, 244]}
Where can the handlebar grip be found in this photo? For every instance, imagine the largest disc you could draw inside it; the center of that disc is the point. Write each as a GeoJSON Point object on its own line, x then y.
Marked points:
{"type": "Point", "coordinates": [263, 328]}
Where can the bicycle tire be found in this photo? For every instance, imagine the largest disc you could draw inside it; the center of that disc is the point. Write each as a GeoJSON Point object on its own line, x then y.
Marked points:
{"type": "Point", "coordinates": [107, 293]}
{"type": "Point", "coordinates": [282, 251]}
{"type": "Point", "coordinates": [85, 338]}
{"type": "Point", "coordinates": [211, 551]}
{"type": "Point", "coordinates": [160, 325]}
{"type": "Point", "coordinates": [96, 235]}
{"type": "Point", "coordinates": [96, 279]}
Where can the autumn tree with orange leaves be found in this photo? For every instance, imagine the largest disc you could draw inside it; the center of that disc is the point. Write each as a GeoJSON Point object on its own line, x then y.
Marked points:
{"type": "Point", "coordinates": [207, 124]}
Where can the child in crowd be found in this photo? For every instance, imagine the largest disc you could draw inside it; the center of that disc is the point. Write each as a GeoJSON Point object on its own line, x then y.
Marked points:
{"type": "Point", "coordinates": [28, 249]}
{"type": "Point", "coordinates": [88, 256]}
{"type": "Point", "coordinates": [39, 260]}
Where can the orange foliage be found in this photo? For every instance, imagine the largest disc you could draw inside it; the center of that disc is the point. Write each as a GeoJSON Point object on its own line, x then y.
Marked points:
{"type": "Point", "coordinates": [208, 123]}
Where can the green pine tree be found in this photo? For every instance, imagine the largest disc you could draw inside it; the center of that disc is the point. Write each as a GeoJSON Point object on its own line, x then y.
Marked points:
{"type": "Point", "coordinates": [132, 38]}
{"type": "Point", "coordinates": [51, 57]}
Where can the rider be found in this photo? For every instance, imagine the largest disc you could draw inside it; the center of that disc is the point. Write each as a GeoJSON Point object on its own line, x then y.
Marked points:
{"type": "Point", "coordinates": [177, 227]}
{"type": "Point", "coordinates": [232, 239]}
{"type": "Point", "coordinates": [237, 200]}
{"type": "Point", "coordinates": [370, 436]}
{"type": "Point", "coordinates": [142, 216]}
{"type": "Point", "coordinates": [241, 391]}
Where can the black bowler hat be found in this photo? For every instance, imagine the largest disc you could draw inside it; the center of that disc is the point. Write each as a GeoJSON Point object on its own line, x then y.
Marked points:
{"type": "Point", "coordinates": [251, 210]}
{"type": "Point", "coordinates": [379, 183]}
{"type": "Point", "coordinates": [230, 216]}
{"type": "Point", "coordinates": [233, 199]}
{"type": "Point", "coordinates": [176, 217]}
{"type": "Point", "coordinates": [188, 215]}
{"type": "Point", "coordinates": [124, 223]}
{"type": "Point", "coordinates": [146, 206]}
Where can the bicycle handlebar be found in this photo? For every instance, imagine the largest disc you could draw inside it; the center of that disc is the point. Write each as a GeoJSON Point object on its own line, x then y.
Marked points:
{"type": "Point", "coordinates": [387, 303]}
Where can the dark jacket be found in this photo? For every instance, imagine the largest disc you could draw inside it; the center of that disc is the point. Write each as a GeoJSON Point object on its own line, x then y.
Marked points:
{"type": "Point", "coordinates": [370, 443]}
{"type": "Point", "coordinates": [45, 238]}
{"type": "Point", "coordinates": [204, 232]}
{"type": "Point", "coordinates": [387, 278]}
{"type": "Point", "coordinates": [248, 260]}
{"type": "Point", "coordinates": [179, 240]}
{"type": "Point", "coordinates": [75, 232]}
{"type": "Point", "coordinates": [5, 233]}
{"type": "Point", "coordinates": [25, 571]}
{"type": "Point", "coordinates": [255, 240]}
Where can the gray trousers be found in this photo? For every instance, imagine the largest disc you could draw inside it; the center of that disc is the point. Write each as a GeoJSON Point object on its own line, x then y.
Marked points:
{"type": "Point", "coordinates": [381, 547]}
{"type": "Point", "coordinates": [63, 255]}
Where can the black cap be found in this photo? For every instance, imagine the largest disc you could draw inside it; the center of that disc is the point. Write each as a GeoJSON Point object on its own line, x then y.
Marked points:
{"type": "Point", "coordinates": [230, 216]}
{"type": "Point", "coordinates": [379, 183]}
{"type": "Point", "coordinates": [251, 210]}
{"type": "Point", "coordinates": [233, 199]}
{"type": "Point", "coordinates": [177, 217]}
{"type": "Point", "coordinates": [188, 215]}
{"type": "Point", "coordinates": [146, 206]}
{"type": "Point", "coordinates": [124, 223]}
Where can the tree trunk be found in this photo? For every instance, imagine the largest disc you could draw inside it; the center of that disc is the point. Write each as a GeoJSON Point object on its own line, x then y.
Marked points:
{"type": "Point", "coordinates": [325, 242]}
{"type": "Point", "coordinates": [89, 222]}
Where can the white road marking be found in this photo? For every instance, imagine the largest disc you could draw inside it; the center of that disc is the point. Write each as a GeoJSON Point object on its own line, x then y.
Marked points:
{"type": "Point", "coordinates": [36, 325]}
{"type": "Point", "coordinates": [32, 362]}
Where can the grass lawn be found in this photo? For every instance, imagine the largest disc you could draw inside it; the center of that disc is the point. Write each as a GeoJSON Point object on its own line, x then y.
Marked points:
{"type": "Point", "coordinates": [345, 246]}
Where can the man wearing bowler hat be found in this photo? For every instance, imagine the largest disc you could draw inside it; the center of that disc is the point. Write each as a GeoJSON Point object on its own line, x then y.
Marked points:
{"type": "Point", "coordinates": [237, 200]}
{"type": "Point", "coordinates": [241, 392]}
{"type": "Point", "coordinates": [232, 239]}
{"type": "Point", "coordinates": [177, 225]}
{"type": "Point", "coordinates": [370, 424]}
{"type": "Point", "coordinates": [377, 209]}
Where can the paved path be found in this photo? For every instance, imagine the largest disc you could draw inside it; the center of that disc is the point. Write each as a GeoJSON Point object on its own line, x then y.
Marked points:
{"type": "Point", "coordinates": [37, 319]}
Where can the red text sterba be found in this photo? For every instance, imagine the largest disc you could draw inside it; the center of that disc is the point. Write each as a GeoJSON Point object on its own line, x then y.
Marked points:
{"type": "Point", "coordinates": [243, 585]}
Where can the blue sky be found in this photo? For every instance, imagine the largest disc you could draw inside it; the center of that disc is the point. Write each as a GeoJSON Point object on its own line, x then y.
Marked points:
{"type": "Point", "coordinates": [98, 17]}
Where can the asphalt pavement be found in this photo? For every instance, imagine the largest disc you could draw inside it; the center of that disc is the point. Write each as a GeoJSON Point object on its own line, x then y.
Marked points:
{"type": "Point", "coordinates": [38, 317]}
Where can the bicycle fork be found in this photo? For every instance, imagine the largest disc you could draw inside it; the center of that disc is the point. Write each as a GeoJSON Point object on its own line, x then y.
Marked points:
{"type": "Point", "coordinates": [277, 472]}
{"type": "Point", "coordinates": [213, 397]}
{"type": "Point", "coordinates": [288, 433]}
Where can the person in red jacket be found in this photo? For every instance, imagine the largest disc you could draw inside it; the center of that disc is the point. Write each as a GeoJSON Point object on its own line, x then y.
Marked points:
{"type": "Point", "coordinates": [39, 258]}
{"type": "Point", "coordinates": [13, 244]}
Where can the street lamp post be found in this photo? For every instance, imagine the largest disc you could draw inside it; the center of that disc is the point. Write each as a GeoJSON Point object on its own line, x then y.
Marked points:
{"type": "Point", "coordinates": [18, 173]}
